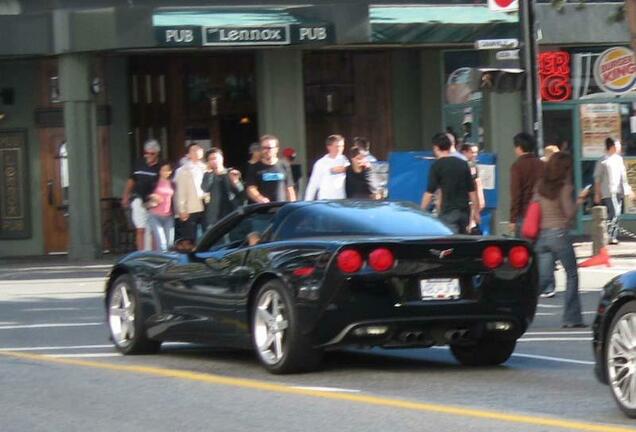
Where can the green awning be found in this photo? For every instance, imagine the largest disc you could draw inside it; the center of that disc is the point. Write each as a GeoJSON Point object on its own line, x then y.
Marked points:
{"type": "Point", "coordinates": [433, 24]}
{"type": "Point", "coordinates": [237, 27]}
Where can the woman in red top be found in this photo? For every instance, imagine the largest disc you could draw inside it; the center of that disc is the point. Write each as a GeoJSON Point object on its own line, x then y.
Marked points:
{"type": "Point", "coordinates": [160, 215]}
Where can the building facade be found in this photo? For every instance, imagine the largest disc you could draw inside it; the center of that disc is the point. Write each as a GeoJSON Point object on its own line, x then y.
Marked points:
{"type": "Point", "coordinates": [82, 87]}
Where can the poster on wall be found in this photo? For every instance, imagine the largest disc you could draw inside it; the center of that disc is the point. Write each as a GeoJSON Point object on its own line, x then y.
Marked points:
{"type": "Point", "coordinates": [630, 167]}
{"type": "Point", "coordinates": [599, 121]}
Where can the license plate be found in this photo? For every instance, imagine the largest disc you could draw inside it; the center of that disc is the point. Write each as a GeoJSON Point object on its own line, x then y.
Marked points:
{"type": "Point", "coordinates": [439, 289]}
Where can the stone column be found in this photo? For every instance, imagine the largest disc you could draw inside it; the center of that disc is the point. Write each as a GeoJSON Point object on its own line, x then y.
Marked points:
{"type": "Point", "coordinates": [502, 120]}
{"type": "Point", "coordinates": [281, 100]}
{"type": "Point", "coordinates": [80, 123]}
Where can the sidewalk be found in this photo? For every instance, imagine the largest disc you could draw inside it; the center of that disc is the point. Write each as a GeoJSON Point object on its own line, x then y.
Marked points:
{"type": "Point", "coordinates": [622, 255]}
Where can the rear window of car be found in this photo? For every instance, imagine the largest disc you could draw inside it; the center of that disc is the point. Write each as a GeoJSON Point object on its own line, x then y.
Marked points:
{"type": "Point", "coordinates": [377, 219]}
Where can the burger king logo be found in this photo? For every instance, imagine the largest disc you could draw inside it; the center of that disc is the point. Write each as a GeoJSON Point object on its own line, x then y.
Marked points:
{"type": "Point", "coordinates": [615, 70]}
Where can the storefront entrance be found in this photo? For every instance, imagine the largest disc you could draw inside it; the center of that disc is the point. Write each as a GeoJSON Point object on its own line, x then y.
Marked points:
{"type": "Point", "coordinates": [209, 99]}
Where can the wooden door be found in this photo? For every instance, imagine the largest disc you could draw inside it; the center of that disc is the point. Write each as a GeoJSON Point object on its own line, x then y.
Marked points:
{"type": "Point", "coordinates": [54, 189]}
{"type": "Point", "coordinates": [348, 93]}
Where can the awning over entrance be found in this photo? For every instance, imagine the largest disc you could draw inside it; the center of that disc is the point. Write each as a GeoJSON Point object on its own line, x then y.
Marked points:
{"type": "Point", "coordinates": [433, 24]}
{"type": "Point", "coordinates": [237, 27]}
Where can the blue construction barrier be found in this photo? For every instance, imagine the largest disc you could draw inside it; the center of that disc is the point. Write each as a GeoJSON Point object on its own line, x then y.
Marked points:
{"type": "Point", "coordinates": [408, 177]}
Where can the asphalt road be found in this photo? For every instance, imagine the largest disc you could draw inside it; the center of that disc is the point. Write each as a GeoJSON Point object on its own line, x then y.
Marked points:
{"type": "Point", "coordinates": [58, 372]}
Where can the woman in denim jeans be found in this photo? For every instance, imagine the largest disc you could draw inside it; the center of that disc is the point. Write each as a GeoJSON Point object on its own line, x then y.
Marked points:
{"type": "Point", "coordinates": [558, 208]}
{"type": "Point", "coordinates": [160, 215]}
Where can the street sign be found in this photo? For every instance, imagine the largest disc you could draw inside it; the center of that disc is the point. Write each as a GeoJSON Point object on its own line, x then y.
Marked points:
{"type": "Point", "coordinates": [496, 44]}
{"type": "Point", "coordinates": [507, 55]}
{"type": "Point", "coordinates": [503, 5]}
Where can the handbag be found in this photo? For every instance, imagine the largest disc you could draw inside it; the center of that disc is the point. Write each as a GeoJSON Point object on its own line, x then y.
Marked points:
{"type": "Point", "coordinates": [532, 222]}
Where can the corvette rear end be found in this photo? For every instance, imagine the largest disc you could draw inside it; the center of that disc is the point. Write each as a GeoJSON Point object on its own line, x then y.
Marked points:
{"type": "Point", "coordinates": [459, 291]}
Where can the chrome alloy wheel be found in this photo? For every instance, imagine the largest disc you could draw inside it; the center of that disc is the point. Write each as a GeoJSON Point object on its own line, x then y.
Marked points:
{"type": "Point", "coordinates": [621, 360]}
{"type": "Point", "coordinates": [121, 315]}
{"type": "Point", "coordinates": [270, 325]}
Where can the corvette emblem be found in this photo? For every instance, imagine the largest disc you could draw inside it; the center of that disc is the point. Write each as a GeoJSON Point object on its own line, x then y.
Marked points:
{"type": "Point", "coordinates": [441, 253]}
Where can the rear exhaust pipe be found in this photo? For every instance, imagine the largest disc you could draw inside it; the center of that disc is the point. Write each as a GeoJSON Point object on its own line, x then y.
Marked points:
{"type": "Point", "coordinates": [456, 335]}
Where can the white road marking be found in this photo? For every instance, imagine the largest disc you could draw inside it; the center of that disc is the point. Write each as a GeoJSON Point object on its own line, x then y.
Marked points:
{"type": "Point", "coordinates": [556, 359]}
{"type": "Point", "coordinates": [50, 325]}
{"type": "Point", "coordinates": [539, 333]}
{"type": "Point", "coordinates": [544, 314]}
{"type": "Point", "coordinates": [83, 355]}
{"type": "Point", "coordinates": [549, 306]}
{"type": "Point", "coordinates": [56, 348]}
{"type": "Point", "coordinates": [53, 309]}
{"type": "Point", "coordinates": [327, 389]}
{"type": "Point", "coordinates": [559, 339]}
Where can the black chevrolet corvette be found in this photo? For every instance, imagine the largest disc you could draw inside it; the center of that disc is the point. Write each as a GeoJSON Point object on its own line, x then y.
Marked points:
{"type": "Point", "coordinates": [615, 340]}
{"type": "Point", "coordinates": [291, 280]}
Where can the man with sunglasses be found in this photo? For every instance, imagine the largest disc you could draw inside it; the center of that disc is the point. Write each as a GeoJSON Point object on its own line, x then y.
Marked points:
{"type": "Point", "coordinates": [270, 179]}
{"type": "Point", "coordinates": [140, 184]}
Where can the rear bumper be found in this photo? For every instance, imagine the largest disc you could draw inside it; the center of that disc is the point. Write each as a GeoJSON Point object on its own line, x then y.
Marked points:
{"type": "Point", "coordinates": [428, 331]}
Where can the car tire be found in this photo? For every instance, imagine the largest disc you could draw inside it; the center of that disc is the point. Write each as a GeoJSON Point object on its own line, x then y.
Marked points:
{"type": "Point", "coordinates": [486, 352]}
{"type": "Point", "coordinates": [125, 319]}
{"type": "Point", "coordinates": [280, 346]}
{"type": "Point", "coordinates": [619, 365]}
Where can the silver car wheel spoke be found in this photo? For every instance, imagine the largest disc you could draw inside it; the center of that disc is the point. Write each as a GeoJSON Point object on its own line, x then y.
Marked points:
{"type": "Point", "coordinates": [621, 360]}
{"type": "Point", "coordinates": [270, 323]}
{"type": "Point", "coordinates": [121, 317]}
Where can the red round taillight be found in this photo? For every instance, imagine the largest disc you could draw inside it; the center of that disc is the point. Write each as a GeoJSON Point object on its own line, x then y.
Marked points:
{"type": "Point", "coordinates": [381, 259]}
{"type": "Point", "coordinates": [492, 257]}
{"type": "Point", "coordinates": [349, 261]}
{"type": "Point", "coordinates": [519, 256]}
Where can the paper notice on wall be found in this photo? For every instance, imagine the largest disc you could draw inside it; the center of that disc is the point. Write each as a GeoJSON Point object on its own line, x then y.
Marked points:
{"type": "Point", "coordinates": [598, 122]}
{"type": "Point", "coordinates": [487, 175]}
{"type": "Point", "coordinates": [630, 168]}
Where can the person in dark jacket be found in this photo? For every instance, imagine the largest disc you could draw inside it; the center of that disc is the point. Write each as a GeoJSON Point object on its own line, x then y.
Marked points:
{"type": "Point", "coordinates": [223, 189]}
{"type": "Point", "coordinates": [524, 175]}
{"type": "Point", "coordinates": [358, 183]}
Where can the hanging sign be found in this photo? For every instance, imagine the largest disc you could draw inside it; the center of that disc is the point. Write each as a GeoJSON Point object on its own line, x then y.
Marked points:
{"type": "Point", "coordinates": [615, 70]}
{"type": "Point", "coordinates": [496, 44]}
{"type": "Point", "coordinates": [503, 5]}
{"type": "Point", "coordinates": [554, 75]}
{"type": "Point", "coordinates": [599, 121]}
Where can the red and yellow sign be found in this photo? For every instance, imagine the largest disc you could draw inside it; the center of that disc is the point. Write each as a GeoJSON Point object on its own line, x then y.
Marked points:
{"type": "Point", "coordinates": [615, 70]}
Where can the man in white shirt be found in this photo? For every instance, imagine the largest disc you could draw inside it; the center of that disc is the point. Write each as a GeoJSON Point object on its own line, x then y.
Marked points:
{"type": "Point", "coordinates": [328, 174]}
{"type": "Point", "coordinates": [610, 185]}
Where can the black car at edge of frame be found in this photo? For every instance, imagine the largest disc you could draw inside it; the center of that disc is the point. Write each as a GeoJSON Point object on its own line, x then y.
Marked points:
{"type": "Point", "coordinates": [324, 275]}
{"type": "Point", "coordinates": [615, 340]}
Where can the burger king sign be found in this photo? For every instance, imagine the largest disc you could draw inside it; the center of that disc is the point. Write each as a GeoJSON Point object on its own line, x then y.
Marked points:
{"type": "Point", "coordinates": [615, 70]}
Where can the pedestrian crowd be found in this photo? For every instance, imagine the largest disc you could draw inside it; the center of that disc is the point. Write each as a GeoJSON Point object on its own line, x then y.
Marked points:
{"type": "Point", "coordinates": [180, 204]}
{"type": "Point", "coordinates": [176, 204]}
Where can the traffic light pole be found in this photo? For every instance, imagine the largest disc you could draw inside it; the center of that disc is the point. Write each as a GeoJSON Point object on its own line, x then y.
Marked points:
{"type": "Point", "coordinates": [532, 113]}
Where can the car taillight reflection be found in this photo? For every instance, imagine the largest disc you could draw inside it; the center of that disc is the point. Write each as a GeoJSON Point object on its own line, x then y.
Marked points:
{"type": "Point", "coordinates": [519, 256]}
{"type": "Point", "coordinates": [349, 261]}
{"type": "Point", "coordinates": [492, 257]}
{"type": "Point", "coordinates": [381, 259]}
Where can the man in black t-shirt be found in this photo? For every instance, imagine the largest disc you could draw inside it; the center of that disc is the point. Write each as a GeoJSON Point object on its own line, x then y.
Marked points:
{"type": "Point", "coordinates": [140, 184]}
{"type": "Point", "coordinates": [452, 176]}
{"type": "Point", "coordinates": [270, 179]}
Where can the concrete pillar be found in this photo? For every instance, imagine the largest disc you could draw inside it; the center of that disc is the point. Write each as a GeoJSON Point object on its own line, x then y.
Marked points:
{"type": "Point", "coordinates": [406, 100]}
{"type": "Point", "coordinates": [281, 100]}
{"type": "Point", "coordinates": [432, 77]}
{"type": "Point", "coordinates": [502, 120]}
{"type": "Point", "coordinates": [80, 123]}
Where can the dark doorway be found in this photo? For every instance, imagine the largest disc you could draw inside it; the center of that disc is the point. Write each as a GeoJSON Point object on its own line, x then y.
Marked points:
{"type": "Point", "coordinates": [237, 133]}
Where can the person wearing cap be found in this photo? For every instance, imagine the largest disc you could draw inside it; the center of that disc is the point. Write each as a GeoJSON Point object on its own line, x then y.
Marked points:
{"type": "Point", "coordinates": [139, 186]}
{"type": "Point", "coordinates": [328, 175]}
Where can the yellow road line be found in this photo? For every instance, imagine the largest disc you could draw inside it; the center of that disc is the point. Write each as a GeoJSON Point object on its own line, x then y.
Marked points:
{"type": "Point", "coordinates": [357, 398]}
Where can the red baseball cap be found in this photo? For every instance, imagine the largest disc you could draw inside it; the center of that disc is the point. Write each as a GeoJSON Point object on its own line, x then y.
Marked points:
{"type": "Point", "coordinates": [289, 153]}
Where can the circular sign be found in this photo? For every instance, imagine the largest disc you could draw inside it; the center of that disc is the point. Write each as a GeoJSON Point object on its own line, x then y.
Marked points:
{"type": "Point", "coordinates": [458, 87]}
{"type": "Point", "coordinates": [615, 70]}
{"type": "Point", "coordinates": [503, 3]}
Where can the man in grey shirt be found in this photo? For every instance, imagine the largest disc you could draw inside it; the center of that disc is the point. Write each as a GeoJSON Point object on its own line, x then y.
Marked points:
{"type": "Point", "coordinates": [610, 185]}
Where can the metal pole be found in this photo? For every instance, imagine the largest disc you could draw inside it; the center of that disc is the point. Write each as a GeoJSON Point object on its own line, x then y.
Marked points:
{"type": "Point", "coordinates": [532, 118]}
